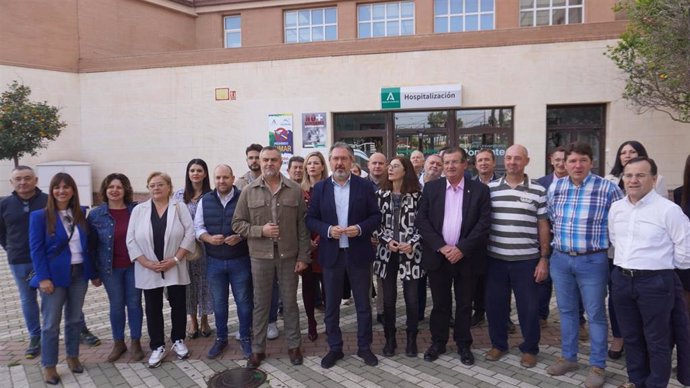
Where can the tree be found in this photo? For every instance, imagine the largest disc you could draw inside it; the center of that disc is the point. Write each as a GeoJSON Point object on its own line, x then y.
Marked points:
{"type": "Point", "coordinates": [25, 126]}
{"type": "Point", "coordinates": [654, 52]}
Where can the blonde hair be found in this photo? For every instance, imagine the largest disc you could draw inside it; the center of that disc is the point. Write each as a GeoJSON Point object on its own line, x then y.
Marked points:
{"type": "Point", "coordinates": [306, 182]}
{"type": "Point", "coordinates": [163, 176]}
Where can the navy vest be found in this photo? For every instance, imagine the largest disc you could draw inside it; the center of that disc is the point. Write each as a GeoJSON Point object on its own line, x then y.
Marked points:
{"type": "Point", "coordinates": [218, 220]}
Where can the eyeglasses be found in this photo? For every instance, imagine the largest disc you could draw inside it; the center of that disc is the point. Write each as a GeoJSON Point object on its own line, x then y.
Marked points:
{"type": "Point", "coordinates": [395, 166]}
{"type": "Point", "coordinates": [636, 176]}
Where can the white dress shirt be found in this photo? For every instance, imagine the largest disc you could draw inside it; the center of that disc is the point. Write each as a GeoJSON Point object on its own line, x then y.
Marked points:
{"type": "Point", "coordinates": [199, 225]}
{"type": "Point", "coordinates": [652, 234]}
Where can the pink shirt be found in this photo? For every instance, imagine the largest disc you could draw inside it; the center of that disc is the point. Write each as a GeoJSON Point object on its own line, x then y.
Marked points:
{"type": "Point", "coordinates": [452, 218]}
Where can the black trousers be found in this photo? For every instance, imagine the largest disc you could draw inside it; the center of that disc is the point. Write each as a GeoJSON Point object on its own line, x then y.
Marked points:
{"type": "Point", "coordinates": [463, 279]}
{"type": "Point", "coordinates": [154, 314]}
{"type": "Point", "coordinates": [390, 295]}
{"type": "Point", "coordinates": [644, 305]}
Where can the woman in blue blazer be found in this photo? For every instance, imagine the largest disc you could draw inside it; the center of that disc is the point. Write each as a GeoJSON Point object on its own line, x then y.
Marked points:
{"type": "Point", "coordinates": [62, 265]}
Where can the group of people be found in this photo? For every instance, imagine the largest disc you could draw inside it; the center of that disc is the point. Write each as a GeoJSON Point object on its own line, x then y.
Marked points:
{"type": "Point", "coordinates": [476, 240]}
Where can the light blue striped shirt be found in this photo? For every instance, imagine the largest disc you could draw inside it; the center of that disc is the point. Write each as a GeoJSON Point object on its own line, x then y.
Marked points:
{"type": "Point", "coordinates": [579, 214]}
{"type": "Point", "coordinates": [341, 193]}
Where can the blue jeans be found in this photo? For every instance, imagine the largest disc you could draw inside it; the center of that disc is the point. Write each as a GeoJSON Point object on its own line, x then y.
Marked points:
{"type": "Point", "coordinates": [236, 273]}
{"type": "Point", "coordinates": [501, 277]}
{"type": "Point", "coordinates": [72, 299]}
{"type": "Point", "coordinates": [119, 285]}
{"type": "Point", "coordinates": [588, 276]}
{"type": "Point", "coordinates": [27, 297]}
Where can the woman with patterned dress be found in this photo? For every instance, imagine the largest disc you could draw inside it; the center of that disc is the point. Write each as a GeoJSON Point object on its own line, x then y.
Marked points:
{"type": "Point", "coordinates": [315, 170]}
{"type": "Point", "coordinates": [399, 251]}
{"type": "Point", "coordinates": [199, 300]}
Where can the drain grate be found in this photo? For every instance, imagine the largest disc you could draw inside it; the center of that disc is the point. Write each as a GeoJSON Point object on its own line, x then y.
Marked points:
{"type": "Point", "coordinates": [237, 377]}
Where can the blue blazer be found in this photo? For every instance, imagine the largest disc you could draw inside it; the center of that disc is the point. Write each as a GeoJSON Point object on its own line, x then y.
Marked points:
{"type": "Point", "coordinates": [44, 248]}
{"type": "Point", "coordinates": [363, 211]}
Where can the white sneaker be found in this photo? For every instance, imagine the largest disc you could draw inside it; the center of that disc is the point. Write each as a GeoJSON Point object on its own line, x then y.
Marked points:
{"type": "Point", "coordinates": [236, 335]}
{"type": "Point", "coordinates": [157, 356]}
{"type": "Point", "coordinates": [272, 332]}
{"type": "Point", "coordinates": [180, 349]}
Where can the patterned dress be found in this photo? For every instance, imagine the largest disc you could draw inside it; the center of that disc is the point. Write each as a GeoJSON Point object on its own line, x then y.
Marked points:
{"type": "Point", "coordinates": [199, 299]}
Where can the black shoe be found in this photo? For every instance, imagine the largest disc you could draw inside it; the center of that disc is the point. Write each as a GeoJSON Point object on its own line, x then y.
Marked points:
{"type": "Point", "coordinates": [433, 352]}
{"type": "Point", "coordinates": [466, 356]}
{"type": "Point", "coordinates": [328, 361]}
{"type": "Point", "coordinates": [477, 319]}
{"type": "Point", "coordinates": [615, 354]}
{"type": "Point", "coordinates": [254, 360]}
{"type": "Point", "coordinates": [391, 344]}
{"type": "Point", "coordinates": [368, 357]}
{"type": "Point", "coordinates": [86, 337]}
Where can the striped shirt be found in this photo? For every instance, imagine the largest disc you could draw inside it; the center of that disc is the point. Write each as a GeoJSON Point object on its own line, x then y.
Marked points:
{"type": "Point", "coordinates": [579, 214]}
{"type": "Point", "coordinates": [515, 213]}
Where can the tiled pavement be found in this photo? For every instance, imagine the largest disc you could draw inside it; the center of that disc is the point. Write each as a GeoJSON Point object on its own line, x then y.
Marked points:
{"type": "Point", "coordinates": [398, 371]}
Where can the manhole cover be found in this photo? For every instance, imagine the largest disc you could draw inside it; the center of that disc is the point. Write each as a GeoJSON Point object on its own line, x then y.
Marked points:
{"type": "Point", "coordinates": [237, 377]}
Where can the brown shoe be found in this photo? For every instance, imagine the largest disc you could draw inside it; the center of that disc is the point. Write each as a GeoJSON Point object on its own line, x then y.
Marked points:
{"type": "Point", "coordinates": [295, 356]}
{"type": "Point", "coordinates": [74, 365]}
{"type": "Point", "coordinates": [50, 375]}
{"type": "Point", "coordinates": [561, 367]}
{"type": "Point", "coordinates": [494, 354]}
{"type": "Point", "coordinates": [136, 350]}
{"type": "Point", "coordinates": [595, 378]}
{"type": "Point", "coordinates": [255, 360]}
{"type": "Point", "coordinates": [119, 348]}
{"type": "Point", "coordinates": [528, 360]}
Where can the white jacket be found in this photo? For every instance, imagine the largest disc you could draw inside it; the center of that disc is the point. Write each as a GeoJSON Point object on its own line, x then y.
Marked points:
{"type": "Point", "coordinates": [179, 233]}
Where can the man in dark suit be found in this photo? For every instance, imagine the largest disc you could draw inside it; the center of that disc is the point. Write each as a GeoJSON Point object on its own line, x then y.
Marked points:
{"type": "Point", "coordinates": [344, 212]}
{"type": "Point", "coordinates": [454, 219]}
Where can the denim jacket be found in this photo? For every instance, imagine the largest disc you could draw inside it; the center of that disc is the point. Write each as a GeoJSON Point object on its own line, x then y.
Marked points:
{"type": "Point", "coordinates": [101, 237]}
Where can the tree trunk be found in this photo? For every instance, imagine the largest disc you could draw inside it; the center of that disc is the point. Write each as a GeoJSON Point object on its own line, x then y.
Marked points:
{"type": "Point", "coordinates": [16, 161]}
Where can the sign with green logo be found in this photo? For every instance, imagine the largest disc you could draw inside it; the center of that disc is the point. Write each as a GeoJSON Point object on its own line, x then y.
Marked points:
{"type": "Point", "coordinates": [390, 98]}
{"type": "Point", "coordinates": [413, 97]}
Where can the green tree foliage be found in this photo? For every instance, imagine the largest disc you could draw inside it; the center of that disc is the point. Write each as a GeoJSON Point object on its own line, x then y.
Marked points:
{"type": "Point", "coordinates": [654, 52]}
{"type": "Point", "coordinates": [25, 126]}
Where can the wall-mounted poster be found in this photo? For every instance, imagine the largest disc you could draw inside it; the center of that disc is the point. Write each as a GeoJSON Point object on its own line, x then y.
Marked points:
{"type": "Point", "coordinates": [313, 130]}
{"type": "Point", "coordinates": [280, 135]}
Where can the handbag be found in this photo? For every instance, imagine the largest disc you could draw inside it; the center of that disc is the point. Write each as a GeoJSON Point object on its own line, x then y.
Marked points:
{"type": "Point", "coordinates": [199, 248]}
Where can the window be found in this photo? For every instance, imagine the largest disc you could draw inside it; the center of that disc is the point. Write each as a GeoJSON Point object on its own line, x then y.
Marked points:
{"type": "Point", "coordinates": [385, 19]}
{"type": "Point", "coordinates": [233, 31]}
{"type": "Point", "coordinates": [463, 15]}
{"type": "Point", "coordinates": [550, 12]}
{"type": "Point", "coordinates": [311, 25]}
{"type": "Point", "coordinates": [490, 128]}
{"type": "Point", "coordinates": [569, 123]}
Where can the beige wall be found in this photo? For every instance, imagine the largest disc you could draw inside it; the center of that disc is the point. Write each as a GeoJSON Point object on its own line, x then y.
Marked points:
{"type": "Point", "coordinates": [157, 119]}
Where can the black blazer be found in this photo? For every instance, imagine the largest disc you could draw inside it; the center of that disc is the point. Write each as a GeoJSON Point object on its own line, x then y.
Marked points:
{"type": "Point", "coordinates": [474, 231]}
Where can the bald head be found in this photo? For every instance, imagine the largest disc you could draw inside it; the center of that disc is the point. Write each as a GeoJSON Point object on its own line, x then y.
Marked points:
{"type": "Point", "coordinates": [516, 159]}
{"type": "Point", "coordinates": [377, 166]}
{"type": "Point", "coordinates": [223, 179]}
{"type": "Point", "coordinates": [417, 159]}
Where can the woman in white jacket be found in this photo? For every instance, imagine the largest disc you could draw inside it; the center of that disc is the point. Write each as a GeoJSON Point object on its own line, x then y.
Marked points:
{"type": "Point", "coordinates": [159, 236]}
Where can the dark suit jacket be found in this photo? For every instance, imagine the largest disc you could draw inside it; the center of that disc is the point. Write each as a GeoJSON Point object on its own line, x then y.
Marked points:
{"type": "Point", "coordinates": [363, 211]}
{"type": "Point", "coordinates": [546, 181]}
{"type": "Point", "coordinates": [474, 231]}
